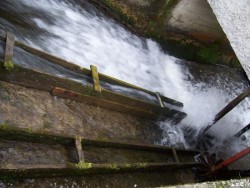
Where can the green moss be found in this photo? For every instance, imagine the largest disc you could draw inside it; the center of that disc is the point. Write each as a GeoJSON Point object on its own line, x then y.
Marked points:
{"type": "Point", "coordinates": [209, 54]}
{"type": "Point", "coordinates": [9, 65]}
{"type": "Point", "coordinates": [82, 165]}
{"type": "Point", "coordinates": [141, 165]}
{"type": "Point", "coordinates": [118, 11]}
{"type": "Point", "coordinates": [235, 62]}
{"type": "Point", "coordinates": [4, 127]}
{"type": "Point", "coordinates": [127, 165]}
{"type": "Point", "coordinates": [180, 45]}
{"type": "Point", "coordinates": [113, 166]}
{"type": "Point", "coordinates": [7, 179]}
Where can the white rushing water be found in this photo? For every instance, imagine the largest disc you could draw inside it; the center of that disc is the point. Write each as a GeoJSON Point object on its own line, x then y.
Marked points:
{"type": "Point", "coordinates": [85, 38]}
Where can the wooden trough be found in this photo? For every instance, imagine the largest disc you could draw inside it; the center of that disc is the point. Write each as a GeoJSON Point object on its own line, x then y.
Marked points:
{"type": "Point", "coordinates": [92, 94]}
{"type": "Point", "coordinates": [8, 132]}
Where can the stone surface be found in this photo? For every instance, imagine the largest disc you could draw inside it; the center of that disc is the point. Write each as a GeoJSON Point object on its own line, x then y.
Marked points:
{"type": "Point", "coordinates": [186, 29]}
{"type": "Point", "coordinates": [234, 17]}
{"type": "Point", "coordinates": [38, 111]}
{"type": "Point", "coordinates": [195, 15]}
{"type": "Point", "coordinates": [217, 184]}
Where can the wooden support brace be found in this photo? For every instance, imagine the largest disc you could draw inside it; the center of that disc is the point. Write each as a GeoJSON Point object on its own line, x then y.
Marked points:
{"type": "Point", "coordinates": [159, 99]}
{"type": "Point", "coordinates": [242, 131]}
{"type": "Point", "coordinates": [10, 41]}
{"type": "Point", "coordinates": [228, 108]}
{"type": "Point", "coordinates": [175, 155]}
{"type": "Point", "coordinates": [78, 144]}
{"type": "Point", "coordinates": [95, 77]}
{"type": "Point", "coordinates": [232, 159]}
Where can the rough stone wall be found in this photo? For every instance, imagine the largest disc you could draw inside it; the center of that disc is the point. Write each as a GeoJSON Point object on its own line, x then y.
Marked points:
{"type": "Point", "coordinates": [187, 29]}
{"type": "Point", "coordinates": [195, 16]}
{"type": "Point", "coordinates": [234, 17]}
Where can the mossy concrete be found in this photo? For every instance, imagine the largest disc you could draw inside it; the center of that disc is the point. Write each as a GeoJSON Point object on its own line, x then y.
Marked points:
{"type": "Point", "coordinates": [191, 33]}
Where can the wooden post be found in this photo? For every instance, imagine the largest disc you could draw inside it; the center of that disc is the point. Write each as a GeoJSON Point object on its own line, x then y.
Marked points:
{"type": "Point", "coordinates": [78, 143]}
{"type": "Point", "coordinates": [228, 108]}
{"type": "Point", "coordinates": [95, 77]}
{"type": "Point", "coordinates": [175, 155]}
{"type": "Point", "coordinates": [242, 131]}
{"type": "Point", "coordinates": [10, 41]}
{"type": "Point", "coordinates": [159, 99]}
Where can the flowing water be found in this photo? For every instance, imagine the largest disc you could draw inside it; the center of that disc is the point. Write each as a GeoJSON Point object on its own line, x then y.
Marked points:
{"type": "Point", "coordinates": [78, 32]}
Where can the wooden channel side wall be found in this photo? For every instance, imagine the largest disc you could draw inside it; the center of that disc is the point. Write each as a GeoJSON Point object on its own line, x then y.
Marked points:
{"type": "Point", "coordinates": [83, 93]}
{"type": "Point", "coordinates": [85, 71]}
{"type": "Point", "coordinates": [8, 132]}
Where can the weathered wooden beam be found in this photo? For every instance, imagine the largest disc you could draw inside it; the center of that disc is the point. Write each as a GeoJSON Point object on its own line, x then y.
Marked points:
{"type": "Point", "coordinates": [81, 70]}
{"type": "Point", "coordinates": [65, 170]}
{"type": "Point", "coordinates": [231, 160]}
{"type": "Point", "coordinates": [63, 93]}
{"type": "Point", "coordinates": [8, 132]}
{"type": "Point", "coordinates": [54, 59]}
{"type": "Point", "coordinates": [10, 41]}
{"type": "Point", "coordinates": [158, 96]}
{"type": "Point", "coordinates": [78, 144]}
{"type": "Point", "coordinates": [115, 81]}
{"type": "Point", "coordinates": [42, 81]}
{"type": "Point", "coordinates": [229, 107]}
{"type": "Point", "coordinates": [242, 131]}
{"type": "Point", "coordinates": [95, 77]}
{"type": "Point", "coordinates": [175, 155]}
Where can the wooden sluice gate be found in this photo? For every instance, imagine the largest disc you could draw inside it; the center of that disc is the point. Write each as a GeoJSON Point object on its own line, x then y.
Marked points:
{"type": "Point", "coordinates": [92, 93]}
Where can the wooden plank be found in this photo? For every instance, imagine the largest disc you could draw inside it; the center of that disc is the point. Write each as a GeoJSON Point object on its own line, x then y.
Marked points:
{"type": "Point", "coordinates": [231, 105]}
{"type": "Point", "coordinates": [115, 81]}
{"type": "Point", "coordinates": [9, 132]}
{"type": "Point", "coordinates": [63, 93]}
{"type": "Point", "coordinates": [42, 81]}
{"type": "Point", "coordinates": [54, 59]}
{"type": "Point", "coordinates": [242, 131]}
{"type": "Point", "coordinates": [62, 170]}
{"type": "Point", "coordinates": [10, 41]}
{"type": "Point", "coordinates": [95, 78]}
{"type": "Point", "coordinates": [81, 70]}
{"type": "Point", "coordinates": [78, 144]}
{"type": "Point", "coordinates": [175, 155]}
{"type": "Point", "coordinates": [228, 108]}
{"type": "Point", "coordinates": [158, 96]}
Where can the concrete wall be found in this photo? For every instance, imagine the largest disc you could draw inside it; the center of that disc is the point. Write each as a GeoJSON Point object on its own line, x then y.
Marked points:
{"type": "Point", "coordinates": [234, 17]}
{"type": "Point", "coordinates": [197, 19]}
{"type": "Point", "coordinates": [187, 29]}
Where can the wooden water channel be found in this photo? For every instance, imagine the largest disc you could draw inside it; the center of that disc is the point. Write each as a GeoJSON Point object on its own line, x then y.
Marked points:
{"type": "Point", "coordinates": [81, 168]}
{"type": "Point", "coordinates": [91, 94]}
{"type": "Point", "coordinates": [82, 92]}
